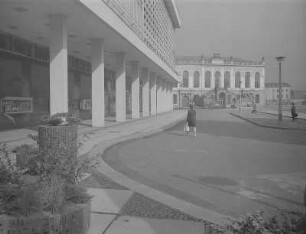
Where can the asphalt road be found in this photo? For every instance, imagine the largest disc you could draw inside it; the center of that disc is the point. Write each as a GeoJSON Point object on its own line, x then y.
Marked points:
{"type": "Point", "coordinates": [232, 166]}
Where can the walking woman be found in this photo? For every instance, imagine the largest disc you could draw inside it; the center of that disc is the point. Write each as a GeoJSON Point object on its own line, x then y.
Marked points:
{"type": "Point", "coordinates": [191, 119]}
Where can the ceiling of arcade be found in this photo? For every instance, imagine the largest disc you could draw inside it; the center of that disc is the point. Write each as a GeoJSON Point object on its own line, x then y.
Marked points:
{"type": "Point", "coordinates": [29, 19]}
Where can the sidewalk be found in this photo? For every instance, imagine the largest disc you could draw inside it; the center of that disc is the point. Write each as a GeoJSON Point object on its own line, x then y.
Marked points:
{"type": "Point", "coordinates": [269, 119]}
{"type": "Point", "coordinates": [121, 205]}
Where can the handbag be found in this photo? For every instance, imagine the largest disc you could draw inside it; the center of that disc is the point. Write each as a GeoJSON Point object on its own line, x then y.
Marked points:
{"type": "Point", "coordinates": [186, 128]}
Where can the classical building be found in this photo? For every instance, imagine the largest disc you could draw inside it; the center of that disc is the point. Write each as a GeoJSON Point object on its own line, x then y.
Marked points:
{"type": "Point", "coordinates": [219, 81]}
{"type": "Point", "coordinates": [272, 93]}
{"type": "Point", "coordinates": [94, 58]}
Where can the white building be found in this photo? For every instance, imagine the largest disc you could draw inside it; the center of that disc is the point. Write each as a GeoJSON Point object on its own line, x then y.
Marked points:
{"type": "Point", "coordinates": [272, 93]}
{"type": "Point", "coordinates": [90, 57]}
{"type": "Point", "coordinates": [219, 81]}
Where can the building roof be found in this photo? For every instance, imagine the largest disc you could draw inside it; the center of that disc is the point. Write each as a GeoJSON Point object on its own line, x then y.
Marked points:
{"type": "Point", "coordinates": [195, 59]}
{"type": "Point", "coordinates": [275, 85]}
{"type": "Point", "coordinates": [173, 12]}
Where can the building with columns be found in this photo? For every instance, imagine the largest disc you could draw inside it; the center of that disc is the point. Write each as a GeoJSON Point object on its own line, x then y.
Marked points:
{"type": "Point", "coordinates": [219, 82]}
{"type": "Point", "coordinates": [94, 58]}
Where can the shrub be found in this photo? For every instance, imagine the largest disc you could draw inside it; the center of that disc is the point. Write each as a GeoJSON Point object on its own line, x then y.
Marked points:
{"type": "Point", "coordinates": [286, 222]}
{"type": "Point", "coordinates": [60, 119]}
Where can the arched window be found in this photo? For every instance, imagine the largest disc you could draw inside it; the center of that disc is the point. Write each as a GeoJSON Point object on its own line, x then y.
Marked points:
{"type": "Point", "coordinates": [217, 79]}
{"type": "Point", "coordinates": [207, 79]}
{"type": "Point", "coordinates": [257, 80]}
{"type": "Point", "coordinates": [185, 79]}
{"type": "Point", "coordinates": [227, 80]}
{"type": "Point", "coordinates": [196, 79]}
{"type": "Point", "coordinates": [237, 80]}
{"type": "Point", "coordinates": [247, 80]}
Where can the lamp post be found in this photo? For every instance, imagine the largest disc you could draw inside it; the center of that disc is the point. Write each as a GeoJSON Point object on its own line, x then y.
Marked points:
{"type": "Point", "coordinates": [279, 60]}
{"type": "Point", "coordinates": [240, 103]}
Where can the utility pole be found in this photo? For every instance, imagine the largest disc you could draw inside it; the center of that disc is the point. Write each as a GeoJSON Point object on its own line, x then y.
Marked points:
{"type": "Point", "coordinates": [280, 93]}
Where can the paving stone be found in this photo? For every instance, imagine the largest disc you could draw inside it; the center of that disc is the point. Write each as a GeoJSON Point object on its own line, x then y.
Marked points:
{"type": "Point", "coordinates": [133, 225]}
{"type": "Point", "coordinates": [108, 200]}
{"type": "Point", "coordinates": [98, 180]}
{"type": "Point", "coordinates": [99, 222]}
{"type": "Point", "coordinates": [141, 206]}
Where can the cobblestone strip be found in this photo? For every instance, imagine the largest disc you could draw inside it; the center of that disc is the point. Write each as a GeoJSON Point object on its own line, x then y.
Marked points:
{"type": "Point", "coordinates": [98, 180]}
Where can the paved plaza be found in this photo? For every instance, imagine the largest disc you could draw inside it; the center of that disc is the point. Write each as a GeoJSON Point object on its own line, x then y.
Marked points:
{"type": "Point", "coordinates": [174, 183]}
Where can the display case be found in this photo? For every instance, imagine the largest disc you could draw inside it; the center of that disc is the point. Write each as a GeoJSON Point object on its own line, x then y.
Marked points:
{"type": "Point", "coordinates": [85, 104]}
{"type": "Point", "coordinates": [16, 105]}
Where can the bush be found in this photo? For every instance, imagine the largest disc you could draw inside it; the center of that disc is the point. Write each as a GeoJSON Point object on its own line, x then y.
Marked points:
{"type": "Point", "coordinates": [286, 222]}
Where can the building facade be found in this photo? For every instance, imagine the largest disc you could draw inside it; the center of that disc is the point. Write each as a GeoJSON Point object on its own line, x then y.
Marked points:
{"type": "Point", "coordinates": [94, 58]}
{"type": "Point", "coordinates": [272, 93]}
{"type": "Point", "coordinates": [219, 82]}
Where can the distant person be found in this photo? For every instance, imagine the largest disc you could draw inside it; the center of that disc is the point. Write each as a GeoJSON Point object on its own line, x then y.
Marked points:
{"type": "Point", "coordinates": [191, 119]}
{"type": "Point", "coordinates": [254, 111]}
{"type": "Point", "coordinates": [293, 112]}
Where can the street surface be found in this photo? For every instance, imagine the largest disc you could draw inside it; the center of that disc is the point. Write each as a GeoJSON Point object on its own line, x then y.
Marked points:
{"type": "Point", "coordinates": [232, 166]}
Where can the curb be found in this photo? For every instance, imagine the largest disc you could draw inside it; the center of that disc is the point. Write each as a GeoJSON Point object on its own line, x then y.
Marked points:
{"type": "Point", "coordinates": [266, 126]}
{"type": "Point", "coordinates": [189, 208]}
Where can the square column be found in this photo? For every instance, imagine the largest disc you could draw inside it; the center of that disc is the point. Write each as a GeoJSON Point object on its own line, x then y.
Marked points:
{"type": "Point", "coordinates": [97, 89]}
{"type": "Point", "coordinates": [158, 94]}
{"type": "Point", "coordinates": [145, 92]}
{"type": "Point", "coordinates": [135, 90]}
{"type": "Point", "coordinates": [168, 96]}
{"type": "Point", "coordinates": [58, 65]}
{"type": "Point", "coordinates": [153, 92]}
{"type": "Point", "coordinates": [120, 88]}
{"type": "Point", "coordinates": [163, 95]}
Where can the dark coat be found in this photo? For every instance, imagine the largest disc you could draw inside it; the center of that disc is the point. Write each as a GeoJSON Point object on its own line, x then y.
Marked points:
{"type": "Point", "coordinates": [191, 118]}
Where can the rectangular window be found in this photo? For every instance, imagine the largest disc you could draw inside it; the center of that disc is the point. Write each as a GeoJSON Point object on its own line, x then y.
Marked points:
{"type": "Point", "coordinates": [174, 98]}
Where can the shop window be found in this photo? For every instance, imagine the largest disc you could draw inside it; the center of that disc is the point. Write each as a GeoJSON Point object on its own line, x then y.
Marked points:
{"type": "Point", "coordinates": [174, 98]}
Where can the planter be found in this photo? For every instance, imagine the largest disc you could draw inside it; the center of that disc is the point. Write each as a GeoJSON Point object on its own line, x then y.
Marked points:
{"type": "Point", "coordinates": [61, 142]}
{"type": "Point", "coordinates": [58, 140]}
{"type": "Point", "coordinates": [75, 219]}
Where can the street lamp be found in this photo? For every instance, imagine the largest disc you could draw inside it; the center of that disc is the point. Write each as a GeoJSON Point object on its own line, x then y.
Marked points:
{"type": "Point", "coordinates": [279, 60]}
{"type": "Point", "coordinates": [240, 103]}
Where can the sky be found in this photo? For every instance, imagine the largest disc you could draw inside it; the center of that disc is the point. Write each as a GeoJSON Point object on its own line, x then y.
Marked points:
{"type": "Point", "coordinates": [247, 29]}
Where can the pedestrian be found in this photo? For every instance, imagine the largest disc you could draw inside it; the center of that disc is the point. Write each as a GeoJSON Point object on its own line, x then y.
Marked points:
{"type": "Point", "coordinates": [191, 120]}
{"type": "Point", "coordinates": [293, 112]}
{"type": "Point", "coordinates": [254, 108]}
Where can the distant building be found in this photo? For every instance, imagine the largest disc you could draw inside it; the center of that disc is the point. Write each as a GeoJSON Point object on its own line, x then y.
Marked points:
{"type": "Point", "coordinates": [219, 81]}
{"type": "Point", "coordinates": [298, 94]}
{"type": "Point", "coordinates": [272, 93]}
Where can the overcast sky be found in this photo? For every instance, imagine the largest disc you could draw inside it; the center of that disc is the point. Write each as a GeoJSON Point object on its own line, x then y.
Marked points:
{"type": "Point", "coordinates": [247, 29]}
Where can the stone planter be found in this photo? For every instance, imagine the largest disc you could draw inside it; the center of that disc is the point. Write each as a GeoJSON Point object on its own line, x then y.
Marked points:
{"type": "Point", "coordinates": [59, 141]}
{"type": "Point", "coordinates": [75, 219]}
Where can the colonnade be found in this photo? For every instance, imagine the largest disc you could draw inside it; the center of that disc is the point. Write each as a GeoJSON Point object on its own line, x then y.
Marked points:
{"type": "Point", "coordinates": [156, 90]}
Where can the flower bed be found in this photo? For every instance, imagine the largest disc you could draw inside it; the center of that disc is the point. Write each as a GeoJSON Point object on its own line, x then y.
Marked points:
{"type": "Point", "coordinates": [74, 219]}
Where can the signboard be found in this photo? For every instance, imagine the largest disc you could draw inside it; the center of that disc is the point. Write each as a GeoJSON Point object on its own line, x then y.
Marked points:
{"type": "Point", "coordinates": [17, 104]}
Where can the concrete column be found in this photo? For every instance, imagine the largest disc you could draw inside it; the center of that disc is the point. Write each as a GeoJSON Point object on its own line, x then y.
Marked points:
{"type": "Point", "coordinates": [158, 94]}
{"type": "Point", "coordinates": [242, 79]}
{"type": "Point", "coordinates": [97, 76]}
{"type": "Point", "coordinates": [212, 78]}
{"type": "Point", "coordinates": [145, 92]}
{"type": "Point", "coordinates": [120, 88]}
{"type": "Point", "coordinates": [135, 90]}
{"type": "Point", "coordinates": [232, 78]}
{"type": "Point", "coordinates": [163, 94]}
{"type": "Point", "coordinates": [168, 96]}
{"type": "Point", "coordinates": [153, 92]}
{"type": "Point", "coordinates": [58, 65]}
{"type": "Point", "coordinates": [222, 78]}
